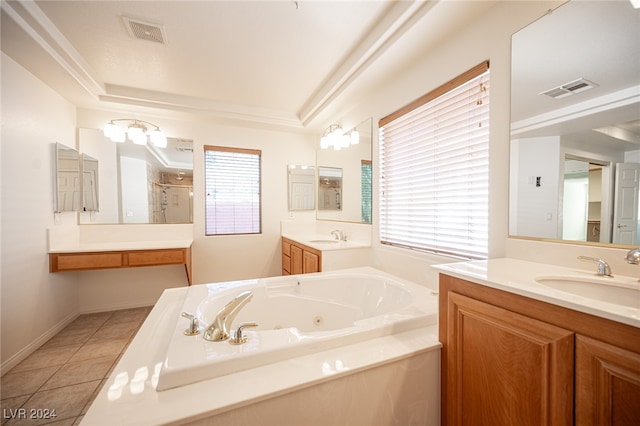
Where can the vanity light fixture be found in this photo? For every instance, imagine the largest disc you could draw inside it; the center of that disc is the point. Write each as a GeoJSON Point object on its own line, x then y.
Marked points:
{"type": "Point", "coordinates": [138, 131]}
{"type": "Point", "coordinates": [334, 136]}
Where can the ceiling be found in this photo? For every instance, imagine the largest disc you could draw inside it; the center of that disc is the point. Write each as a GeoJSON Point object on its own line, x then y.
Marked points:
{"type": "Point", "coordinates": [275, 62]}
{"type": "Point", "coordinates": [597, 41]}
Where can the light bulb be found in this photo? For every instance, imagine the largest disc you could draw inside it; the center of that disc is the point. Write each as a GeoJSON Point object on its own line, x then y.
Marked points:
{"type": "Point", "coordinates": [118, 135]}
{"type": "Point", "coordinates": [158, 138]}
{"type": "Point", "coordinates": [134, 133]}
{"type": "Point", "coordinates": [139, 138]}
{"type": "Point", "coordinates": [109, 130]}
{"type": "Point", "coordinates": [355, 137]}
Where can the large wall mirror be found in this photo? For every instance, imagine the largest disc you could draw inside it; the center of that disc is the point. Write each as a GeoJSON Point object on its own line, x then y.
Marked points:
{"type": "Point", "coordinates": [575, 125]}
{"type": "Point", "coordinates": [344, 179]}
{"type": "Point", "coordinates": [138, 183]}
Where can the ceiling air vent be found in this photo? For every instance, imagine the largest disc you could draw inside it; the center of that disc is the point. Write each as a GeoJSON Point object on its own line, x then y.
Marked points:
{"type": "Point", "coordinates": [145, 30]}
{"type": "Point", "coordinates": [571, 88]}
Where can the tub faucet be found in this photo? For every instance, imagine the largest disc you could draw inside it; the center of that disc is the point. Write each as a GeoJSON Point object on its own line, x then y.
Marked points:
{"type": "Point", "coordinates": [218, 331]}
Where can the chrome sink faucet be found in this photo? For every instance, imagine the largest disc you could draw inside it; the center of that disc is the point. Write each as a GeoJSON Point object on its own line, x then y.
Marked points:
{"type": "Point", "coordinates": [218, 331]}
{"type": "Point", "coordinates": [339, 234]}
{"type": "Point", "coordinates": [603, 267]}
{"type": "Point", "coordinates": [633, 256]}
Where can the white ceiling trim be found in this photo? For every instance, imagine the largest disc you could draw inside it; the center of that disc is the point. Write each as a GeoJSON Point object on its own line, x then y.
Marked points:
{"type": "Point", "coordinates": [612, 101]}
{"type": "Point", "coordinates": [397, 19]}
{"type": "Point", "coordinates": [148, 98]}
{"type": "Point", "coordinates": [53, 42]}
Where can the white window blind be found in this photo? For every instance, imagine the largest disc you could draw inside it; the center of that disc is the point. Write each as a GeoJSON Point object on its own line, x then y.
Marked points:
{"type": "Point", "coordinates": [232, 186]}
{"type": "Point", "coordinates": [434, 166]}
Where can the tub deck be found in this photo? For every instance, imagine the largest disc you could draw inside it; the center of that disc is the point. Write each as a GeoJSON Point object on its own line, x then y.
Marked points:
{"type": "Point", "coordinates": [129, 396]}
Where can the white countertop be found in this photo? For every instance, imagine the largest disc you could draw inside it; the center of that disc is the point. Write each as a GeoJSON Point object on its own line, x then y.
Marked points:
{"type": "Point", "coordinates": [316, 242]}
{"type": "Point", "coordinates": [120, 246]}
{"type": "Point", "coordinates": [519, 277]}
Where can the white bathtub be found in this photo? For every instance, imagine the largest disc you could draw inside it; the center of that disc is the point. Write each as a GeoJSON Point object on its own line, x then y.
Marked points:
{"type": "Point", "coordinates": [297, 315]}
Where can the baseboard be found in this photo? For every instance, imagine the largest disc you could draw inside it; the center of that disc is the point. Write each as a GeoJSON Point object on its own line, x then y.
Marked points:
{"type": "Point", "coordinates": [34, 345]}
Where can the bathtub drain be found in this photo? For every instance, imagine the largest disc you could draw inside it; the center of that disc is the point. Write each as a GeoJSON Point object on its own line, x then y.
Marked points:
{"type": "Point", "coordinates": [318, 320]}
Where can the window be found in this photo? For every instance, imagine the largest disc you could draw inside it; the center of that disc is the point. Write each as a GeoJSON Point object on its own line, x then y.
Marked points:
{"type": "Point", "coordinates": [434, 170]}
{"type": "Point", "coordinates": [365, 190]}
{"type": "Point", "coordinates": [232, 187]}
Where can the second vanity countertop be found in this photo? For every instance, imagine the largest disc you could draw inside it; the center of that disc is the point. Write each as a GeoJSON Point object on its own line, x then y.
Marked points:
{"type": "Point", "coordinates": [324, 242]}
{"type": "Point", "coordinates": [519, 277]}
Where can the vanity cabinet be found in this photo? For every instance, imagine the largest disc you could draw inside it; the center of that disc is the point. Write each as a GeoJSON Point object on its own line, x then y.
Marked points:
{"type": "Point", "coordinates": [508, 359]}
{"type": "Point", "coordinates": [81, 261]}
{"type": "Point", "coordinates": [299, 259]}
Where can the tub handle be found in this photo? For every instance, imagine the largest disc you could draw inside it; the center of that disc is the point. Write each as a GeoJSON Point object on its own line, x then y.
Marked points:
{"type": "Point", "coordinates": [194, 327]}
{"type": "Point", "coordinates": [238, 338]}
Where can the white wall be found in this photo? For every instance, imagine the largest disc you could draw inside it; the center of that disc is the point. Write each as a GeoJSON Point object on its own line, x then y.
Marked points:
{"type": "Point", "coordinates": [535, 211]}
{"type": "Point", "coordinates": [35, 304]}
{"type": "Point", "coordinates": [487, 37]}
{"type": "Point", "coordinates": [222, 258]}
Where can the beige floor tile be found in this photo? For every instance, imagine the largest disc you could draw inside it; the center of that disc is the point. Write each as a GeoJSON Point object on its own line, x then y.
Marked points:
{"type": "Point", "coordinates": [25, 382]}
{"type": "Point", "coordinates": [67, 403]}
{"type": "Point", "coordinates": [137, 315]}
{"type": "Point", "coordinates": [70, 336]}
{"type": "Point", "coordinates": [47, 357]}
{"type": "Point", "coordinates": [123, 330]}
{"type": "Point", "coordinates": [100, 348]}
{"type": "Point", "coordinates": [10, 407]}
{"type": "Point", "coordinates": [90, 320]}
{"type": "Point", "coordinates": [80, 372]}
{"type": "Point", "coordinates": [66, 422]}
{"type": "Point", "coordinates": [93, 397]}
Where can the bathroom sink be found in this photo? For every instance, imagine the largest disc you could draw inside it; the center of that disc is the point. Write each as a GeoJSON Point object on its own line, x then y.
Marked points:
{"type": "Point", "coordinates": [325, 241]}
{"type": "Point", "coordinates": [621, 291]}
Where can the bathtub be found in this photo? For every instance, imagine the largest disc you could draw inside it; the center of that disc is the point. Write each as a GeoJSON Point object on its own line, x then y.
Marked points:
{"type": "Point", "coordinates": [367, 361]}
{"type": "Point", "coordinates": [296, 315]}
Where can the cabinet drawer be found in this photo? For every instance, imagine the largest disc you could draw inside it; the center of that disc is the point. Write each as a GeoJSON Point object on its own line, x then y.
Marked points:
{"type": "Point", "coordinates": [286, 247]}
{"type": "Point", "coordinates": [71, 262]}
{"type": "Point", "coordinates": [286, 263]}
{"type": "Point", "coordinates": [156, 257]}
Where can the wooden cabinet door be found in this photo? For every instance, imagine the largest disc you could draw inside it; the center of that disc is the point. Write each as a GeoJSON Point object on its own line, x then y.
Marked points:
{"type": "Point", "coordinates": [311, 263]}
{"type": "Point", "coordinates": [503, 368]}
{"type": "Point", "coordinates": [607, 384]}
{"type": "Point", "coordinates": [296, 260]}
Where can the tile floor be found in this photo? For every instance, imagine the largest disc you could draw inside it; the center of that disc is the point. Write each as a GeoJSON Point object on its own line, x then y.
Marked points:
{"type": "Point", "coordinates": [66, 373]}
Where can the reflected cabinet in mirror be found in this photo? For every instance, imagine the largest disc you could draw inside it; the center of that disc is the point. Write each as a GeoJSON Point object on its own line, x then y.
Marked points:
{"type": "Point", "coordinates": [575, 134]}
{"type": "Point", "coordinates": [344, 178]}
{"type": "Point", "coordinates": [138, 183]}
{"type": "Point", "coordinates": [66, 194]}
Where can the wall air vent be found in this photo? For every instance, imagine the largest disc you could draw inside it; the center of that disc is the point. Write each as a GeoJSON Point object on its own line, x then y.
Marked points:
{"type": "Point", "coordinates": [145, 30]}
{"type": "Point", "coordinates": [184, 149]}
{"type": "Point", "coordinates": [571, 88]}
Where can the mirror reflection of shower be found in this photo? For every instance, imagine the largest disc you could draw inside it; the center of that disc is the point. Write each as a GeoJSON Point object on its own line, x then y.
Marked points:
{"type": "Point", "coordinates": [172, 203]}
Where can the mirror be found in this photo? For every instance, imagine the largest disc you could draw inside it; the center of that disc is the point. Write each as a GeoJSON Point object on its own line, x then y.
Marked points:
{"type": "Point", "coordinates": [575, 134]}
{"type": "Point", "coordinates": [89, 184]}
{"type": "Point", "coordinates": [329, 188]}
{"type": "Point", "coordinates": [66, 194]}
{"type": "Point", "coordinates": [355, 166]}
{"type": "Point", "coordinates": [139, 183]}
{"type": "Point", "coordinates": [302, 183]}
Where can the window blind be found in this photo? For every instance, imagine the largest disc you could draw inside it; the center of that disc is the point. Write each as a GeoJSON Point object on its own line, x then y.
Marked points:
{"type": "Point", "coordinates": [232, 186]}
{"type": "Point", "coordinates": [434, 167]}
